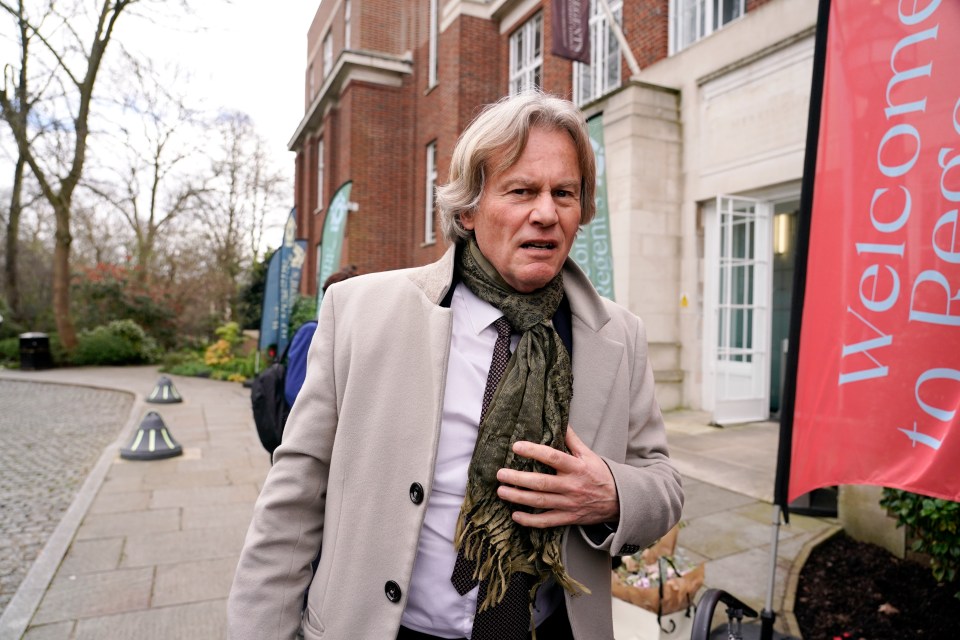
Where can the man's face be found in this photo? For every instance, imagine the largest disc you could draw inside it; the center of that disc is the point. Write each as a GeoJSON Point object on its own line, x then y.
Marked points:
{"type": "Point", "coordinates": [528, 215]}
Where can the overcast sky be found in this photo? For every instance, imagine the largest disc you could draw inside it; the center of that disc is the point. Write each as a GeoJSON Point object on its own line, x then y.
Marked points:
{"type": "Point", "coordinates": [249, 55]}
{"type": "Point", "coordinates": [246, 55]}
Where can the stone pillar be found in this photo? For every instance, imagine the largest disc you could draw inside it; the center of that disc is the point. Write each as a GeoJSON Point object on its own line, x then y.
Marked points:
{"type": "Point", "coordinates": [642, 133]}
{"type": "Point", "coordinates": [862, 517]}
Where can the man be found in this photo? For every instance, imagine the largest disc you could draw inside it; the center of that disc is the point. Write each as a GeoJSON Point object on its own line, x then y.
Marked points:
{"type": "Point", "coordinates": [475, 437]}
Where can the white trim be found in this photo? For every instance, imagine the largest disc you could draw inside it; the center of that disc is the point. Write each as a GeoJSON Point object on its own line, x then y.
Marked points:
{"type": "Point", "coordinates": [351, 65]}
{"type": "Point", "coordinates": [702, 21]}
{"type": "Point", "coordinates": [433, 60]}
{"type": "Point", "coordinates": [320, 167]}
{"type": "Point", "coordinates": [530, 63]}
{"type": "Point", "coordinates": [797, 53]}
{"type": "Point", "coordinates": [513, 16]}
{"type": "Point", "coordinates": [600, 60]}
{"type": "Point", "coordinates": [327, 53]}
{"type": "Point", "coordinates": [762, 156]}
{"type": "Point", "coordinates": [429, 226]}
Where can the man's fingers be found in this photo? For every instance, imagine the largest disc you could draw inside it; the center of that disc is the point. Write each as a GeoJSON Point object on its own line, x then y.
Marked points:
{"type": "Point", "coordinates": [545, 519]}
{"type": "Point", "coordinates": [575, 444]}
{"type": "Point", "coordinates": [547, 455]}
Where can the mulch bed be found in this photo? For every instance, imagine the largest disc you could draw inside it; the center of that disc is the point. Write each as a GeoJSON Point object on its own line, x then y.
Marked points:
{"type": "Point", "coordinates": [850, 589]}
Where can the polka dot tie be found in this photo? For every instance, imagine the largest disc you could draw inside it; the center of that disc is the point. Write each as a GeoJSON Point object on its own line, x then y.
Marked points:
{"type": "Point", "coordinates": [511, 617]}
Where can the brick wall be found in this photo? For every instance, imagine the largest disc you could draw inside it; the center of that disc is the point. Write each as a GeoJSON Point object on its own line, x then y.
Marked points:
{"type": "Point", "coordinates": [377, 136]}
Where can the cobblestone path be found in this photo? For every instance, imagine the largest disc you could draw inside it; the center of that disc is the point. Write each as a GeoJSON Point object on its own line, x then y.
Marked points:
{"type": "Point", "coordinates": [51, 436]}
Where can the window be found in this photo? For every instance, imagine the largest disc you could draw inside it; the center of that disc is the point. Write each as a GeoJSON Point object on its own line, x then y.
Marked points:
{"type": "Point", "coordinates": [526, 56]}
{"type": "Point", "coordinates": [319, 174]}
{"type": "Point", "coordinates": [691, 20]}
{"type": "Point", "coordinates": [602, 75]}
{"type": "Point", "coordinates": [327, 54]}
{"type": "Point", "coordinates": [346, 24]}
{"type": "Point", "coordinates": [429, 234]}
{"type": "Point", "coordinates": [434, 37]}
{"type": "Point", "coordinates": [311, 91]}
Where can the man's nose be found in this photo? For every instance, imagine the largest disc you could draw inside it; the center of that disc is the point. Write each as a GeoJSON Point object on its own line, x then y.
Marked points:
{"type": "Point", "coordinates": [544, 209]}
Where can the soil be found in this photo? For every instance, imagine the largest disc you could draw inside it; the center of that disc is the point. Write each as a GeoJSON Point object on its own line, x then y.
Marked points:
{"type": "Point", "coordinates": [855, 590]}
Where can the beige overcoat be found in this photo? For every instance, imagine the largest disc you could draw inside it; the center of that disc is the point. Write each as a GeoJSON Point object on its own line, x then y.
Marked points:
{"type": "Point", "coordinates": [356, 464]}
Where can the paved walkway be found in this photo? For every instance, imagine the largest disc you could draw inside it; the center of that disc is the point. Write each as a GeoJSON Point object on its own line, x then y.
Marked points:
{"type": "Point", "coordinates": [147, 550]}
{"type": "Point", "coordinates": [47, 450]}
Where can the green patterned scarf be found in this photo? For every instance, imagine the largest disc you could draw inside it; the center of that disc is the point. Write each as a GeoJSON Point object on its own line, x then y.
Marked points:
{"type": "Point", "coordinates": [532, 402]}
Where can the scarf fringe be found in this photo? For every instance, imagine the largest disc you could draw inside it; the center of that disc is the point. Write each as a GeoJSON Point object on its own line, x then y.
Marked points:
{"type": "Point", "coordinates": [486, 535]}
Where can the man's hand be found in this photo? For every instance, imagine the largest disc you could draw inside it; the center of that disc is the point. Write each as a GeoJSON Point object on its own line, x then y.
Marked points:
{"type": "Point", "coordinates": [581, 492]}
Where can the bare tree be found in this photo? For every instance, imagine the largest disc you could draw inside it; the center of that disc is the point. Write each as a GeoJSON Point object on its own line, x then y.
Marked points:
{"type": "Point", "coordinates": [244, 190]}
{"type": "Point", "coordinates": [76, 62]}
{"type": "Point", "coordinates": [154, 172]}
{"type": "Point", "coordinates": [19, 115]}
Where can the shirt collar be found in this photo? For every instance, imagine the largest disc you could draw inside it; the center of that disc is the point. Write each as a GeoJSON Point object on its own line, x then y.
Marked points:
{"type": "Point", "coordinates": [480, 314]}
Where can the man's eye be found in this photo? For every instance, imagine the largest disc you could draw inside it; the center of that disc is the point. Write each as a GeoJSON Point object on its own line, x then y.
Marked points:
{"type": "Point", "coordinates": [562, 193]}
{"type": "Point", "coordinates": [521, 191]}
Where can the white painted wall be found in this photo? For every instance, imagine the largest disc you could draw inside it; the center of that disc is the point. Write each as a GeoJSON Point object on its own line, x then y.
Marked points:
{"type": "Point", "coordinates": [744, 96]}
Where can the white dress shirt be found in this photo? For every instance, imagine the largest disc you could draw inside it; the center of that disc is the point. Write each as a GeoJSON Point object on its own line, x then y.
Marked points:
{"type": "Point", "coordinates": [434, 606]}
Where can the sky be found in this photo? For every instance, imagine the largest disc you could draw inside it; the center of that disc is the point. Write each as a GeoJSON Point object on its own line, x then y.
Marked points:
{"type": "Point", "coordinates": [243, 54]}
{"type": "Point", "coordinates": [247, 55]}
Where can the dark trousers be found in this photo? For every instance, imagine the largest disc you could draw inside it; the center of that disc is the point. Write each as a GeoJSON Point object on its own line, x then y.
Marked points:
{"type": "Point", "coordinates": [556, 627]}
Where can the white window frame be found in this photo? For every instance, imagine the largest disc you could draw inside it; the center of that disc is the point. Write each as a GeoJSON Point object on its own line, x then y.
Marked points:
{"type": "Point", "coordinates": [429, 230]}
{"type": "Point", "coordinates": [327, 54]}
{"type": "Point", "coordinates": [432, 62]}
{"type": "Point", "coordinates": [602, 75]}
{"type": "Point", "coordinates": [346, 24]}
{"type": "Point", "coordinates": [526, 55]}
{"type": "Point", "coordinates": [693, 20]}
{"type": "Point", "coordinates": [311, 82]}
{"type": "Point", "coordinates": [320, 151]}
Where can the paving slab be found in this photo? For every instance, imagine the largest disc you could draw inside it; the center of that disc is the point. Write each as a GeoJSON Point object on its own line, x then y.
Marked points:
{"type": "Point", "coordinates": [172, 529]}
{"type": "Point", "coordinates": [95, 594]}
{"type": "Point", "coordinates": [200, 621]}
{"type": "Point", "coordinates": [194, 581]}
{"type": "Point", "coordinates": [91, 556]}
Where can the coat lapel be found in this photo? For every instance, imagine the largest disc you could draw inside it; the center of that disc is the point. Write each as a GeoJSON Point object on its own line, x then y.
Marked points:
{"type": "Point", "coordinates": [596, 359]}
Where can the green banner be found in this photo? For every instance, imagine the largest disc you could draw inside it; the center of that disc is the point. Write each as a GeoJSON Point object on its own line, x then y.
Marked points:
{"type": "Point", "coordinates": [334, 226]}
{"type": "Point", "coordinates": [591, 250]}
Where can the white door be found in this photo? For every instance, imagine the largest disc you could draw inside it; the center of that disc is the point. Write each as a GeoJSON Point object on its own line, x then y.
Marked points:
{"type": "Point", "coordinates": [737, 311]}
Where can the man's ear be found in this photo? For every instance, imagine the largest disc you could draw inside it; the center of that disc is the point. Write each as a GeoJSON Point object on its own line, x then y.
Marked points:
{"type": "Point", "coordinates": [467, 219]}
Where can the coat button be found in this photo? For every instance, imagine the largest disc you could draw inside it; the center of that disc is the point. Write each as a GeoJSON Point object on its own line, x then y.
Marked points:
{"type": "Point", "coordinates": [392, 589]}
{"type": "Point", "coordinates": [416, 493]}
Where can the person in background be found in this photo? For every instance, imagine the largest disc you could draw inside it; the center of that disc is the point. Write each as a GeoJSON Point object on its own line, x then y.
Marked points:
{"type": "Point", "coordinates": [296, 370]}
{"type": "Point", "coordinates": [476, 437]}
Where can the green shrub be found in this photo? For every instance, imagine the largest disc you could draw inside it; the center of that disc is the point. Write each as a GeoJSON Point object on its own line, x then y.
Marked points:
{"type": "Point", "coordinates": [195, 368]}
{"type": "Point", "coordinates": [304, 310]}
{"type": "Point", "coordinates": [119, 342]}
{"type": "Point", "coordinates": [10, 351]}
{"type": "Point", "coordinates": [229, 332]}
{"type": "Point", "coordinates": [935, 523]}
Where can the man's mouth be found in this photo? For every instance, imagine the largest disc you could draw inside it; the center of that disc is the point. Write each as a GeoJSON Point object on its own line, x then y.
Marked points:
{"type": "Point", "coordinates": [538, 245]}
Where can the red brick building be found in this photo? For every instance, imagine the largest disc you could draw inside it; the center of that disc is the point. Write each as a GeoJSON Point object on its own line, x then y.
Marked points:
{"type": "Point", "coordinates": [707, 99]}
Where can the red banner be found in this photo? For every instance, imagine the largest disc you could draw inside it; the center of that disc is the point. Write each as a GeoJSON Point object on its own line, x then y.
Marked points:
{"type": "Point", "coordinates": [571, 30]}
{"type": "Point", "coordinates": [878, 381]}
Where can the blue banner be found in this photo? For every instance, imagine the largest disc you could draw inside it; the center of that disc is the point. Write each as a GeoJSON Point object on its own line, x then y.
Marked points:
{"type": "Point", "coordinates": [334, 226]}
{"type": "Point", "coordinates": [270, 310]}
{"type": "Point", "coordinates": [282, 287]}
{"type": "Point", "coordinates": [591, 250]}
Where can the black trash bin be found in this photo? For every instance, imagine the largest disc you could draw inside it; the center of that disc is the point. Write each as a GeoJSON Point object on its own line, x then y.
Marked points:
{"type": "Point", "coordinates": [35, 351]}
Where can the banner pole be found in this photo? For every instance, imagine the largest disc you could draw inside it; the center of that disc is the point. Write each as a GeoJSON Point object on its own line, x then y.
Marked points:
{"type": "Point", "coordinates": [621, 39]}
{"type": "Point", "coordinates": [785, 444]}
{"type": "Point", "coordinates": [768, 616]}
